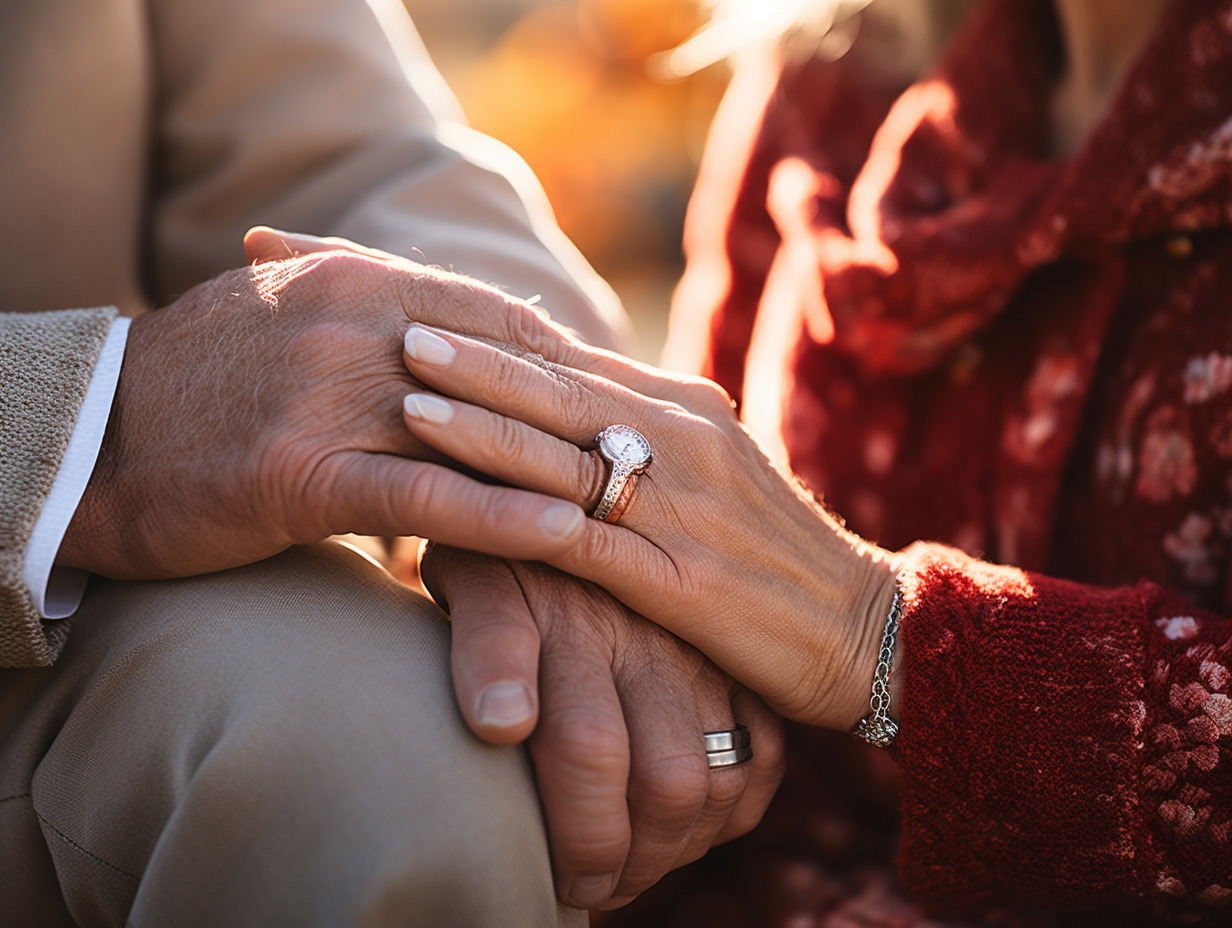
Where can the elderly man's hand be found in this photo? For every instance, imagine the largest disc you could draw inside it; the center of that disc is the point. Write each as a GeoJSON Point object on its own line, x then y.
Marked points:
{"type": "Point", "coordinates": [262, 409]}
{"type": "Point", "coordinates": [621, 706]}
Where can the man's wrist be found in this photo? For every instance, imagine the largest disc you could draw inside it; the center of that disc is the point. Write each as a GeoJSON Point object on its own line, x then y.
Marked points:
{"type": "Point", "coordinates": [66, 499]}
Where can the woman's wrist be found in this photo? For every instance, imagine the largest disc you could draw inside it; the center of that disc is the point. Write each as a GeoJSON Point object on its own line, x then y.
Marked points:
{"type": "Point", "coordinates": [868, 623]}
{"type": "Point", "coordinates": [878, 727]}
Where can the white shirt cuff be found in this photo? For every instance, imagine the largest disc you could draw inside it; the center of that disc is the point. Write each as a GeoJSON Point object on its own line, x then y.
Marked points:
{"type": "Point", "coordinates": [57, 591]}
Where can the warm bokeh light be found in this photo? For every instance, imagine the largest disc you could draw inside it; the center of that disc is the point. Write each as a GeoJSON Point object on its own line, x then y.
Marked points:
{"type": "Point", "coordinates": [569, 87]}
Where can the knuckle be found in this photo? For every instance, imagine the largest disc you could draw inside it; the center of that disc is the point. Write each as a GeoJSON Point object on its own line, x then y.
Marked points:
{"type": "Point", "coordinates": [500, 635]}
{"type": "Point", "coordinates": [300, 476]}
{"type": "Point", "coordinates": [597, 547]}
{"type": "Point", "coordinates": [583, 770]}
{"type": "Point", "coordinates": [499, 629]}
{"type": "Point", "coordinates": [313, 282]}
{"type": "Point", "coordinates": [334, 273]}
{"type": "Point", "coordinates": [588, 847]}
{"type": "Point", "coordinates": [696, 576]}
{"type": "Point", "coordinates": [285, 458]}
{"type": "Point", "coordinates": [433, 296]}
{"type": "Point", "coordinates": [526, 327]}
{"type": "Point", "coordinates": [507, 439]}
{"type": "Point", "coordinates": [671, 789]}
{"type": "Point", "coordinates": [708, 397]}
{"type": "Point", "coordinates": [491, 511]}
{"type": "Point", "coordinates": [533, 329]}
{"type": "Point", "coordinates": [726, 787]}
{"type": "Point", "coordinates": [445, 495]}
{"type": "Point", "coordinates": [748, 813]}
{"type": "Point", "coordinates": [506, 376]}
{"type": "Point", "coordinates": [410, 290]}
{"type": "Point", "coordinates": [417, 492]}
{"type": "Point", "coordinates": [594, 746]}
{"type": "Point", "coordinates": [473, 306]}
{"type": "Point", "coordinates": [571, 401]}
{"type": "Point", "coordinates": [323, 268]}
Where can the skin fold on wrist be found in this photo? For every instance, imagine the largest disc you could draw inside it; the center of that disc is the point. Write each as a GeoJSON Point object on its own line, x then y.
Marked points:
{"type": "Point", "coordinates": [881, 587]}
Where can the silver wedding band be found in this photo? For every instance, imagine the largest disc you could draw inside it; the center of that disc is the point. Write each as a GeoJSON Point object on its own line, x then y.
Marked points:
{"type": "Point", "coordinates": [729, 747]}
{"type": "Point", "coordinates": [729, 758]}
{"type": "Point", "coordinates": [729, 740]}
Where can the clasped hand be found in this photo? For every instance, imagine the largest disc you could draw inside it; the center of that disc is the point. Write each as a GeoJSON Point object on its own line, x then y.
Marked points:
{"type": "Point", "coordinates": [716, 545]}
{"type": "Point", "coordinates": [260, 410]}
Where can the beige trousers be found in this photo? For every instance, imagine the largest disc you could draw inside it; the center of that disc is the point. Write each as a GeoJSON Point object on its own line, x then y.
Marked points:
{"type": "Point", "coordinates": [274, 745]}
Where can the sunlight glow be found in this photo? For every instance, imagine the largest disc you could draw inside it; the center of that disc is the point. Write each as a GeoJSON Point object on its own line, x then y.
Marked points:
{"type": "Point", "coordinates": [738, 24]}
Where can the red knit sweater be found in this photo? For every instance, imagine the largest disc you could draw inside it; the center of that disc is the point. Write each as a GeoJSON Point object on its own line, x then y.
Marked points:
{"type": "Point", "coordinates": [954, 337]}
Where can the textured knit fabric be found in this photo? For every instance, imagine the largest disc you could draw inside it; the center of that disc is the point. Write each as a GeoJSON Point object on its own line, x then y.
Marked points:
{"type": "Point", "coordinates": [202, 119]}
{"type": "Point", "coordinates": [954, 336]}
{"type": "Point", "coordinates": [1063, 746]}
{"type": "Point", "coordinates": [46, 360]}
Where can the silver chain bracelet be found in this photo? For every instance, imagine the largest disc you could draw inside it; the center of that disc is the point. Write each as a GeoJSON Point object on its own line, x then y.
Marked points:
{"type": "Point", "coordinates": [877, 728]}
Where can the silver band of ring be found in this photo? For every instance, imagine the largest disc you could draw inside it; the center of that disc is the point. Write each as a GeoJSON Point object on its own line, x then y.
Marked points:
{"type": "Point", "coordinates": [727, 740]}
{"type": "Point", "coordinates": [616, 481]}
{"type": "Point", "coordinates": [729, 747]}
{"type": "Point", "coordinates": [729, 758]}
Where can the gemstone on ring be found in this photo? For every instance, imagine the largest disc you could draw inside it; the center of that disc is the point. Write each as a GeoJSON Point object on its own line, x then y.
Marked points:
{"type": "Point", "coordinates": [624, 444]}
{"type": "Point", "coordinates": [627, 453]}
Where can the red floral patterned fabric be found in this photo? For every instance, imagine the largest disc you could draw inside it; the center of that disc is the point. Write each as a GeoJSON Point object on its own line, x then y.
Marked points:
{"type": "Point", "coordinates": [953, 336]}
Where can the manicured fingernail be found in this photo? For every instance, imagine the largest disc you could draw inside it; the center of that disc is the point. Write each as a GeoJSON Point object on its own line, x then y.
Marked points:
{"type": "Point", "coordinates": [423, 346]}
{"type": "Point", "coordinates": [427, 407]}
{"type": "Point", "coordinates": [504, 704]}
{"type": "Point", "coordinates": [560, 519]}
{"type": "Point", "coordinates": [591, 890]}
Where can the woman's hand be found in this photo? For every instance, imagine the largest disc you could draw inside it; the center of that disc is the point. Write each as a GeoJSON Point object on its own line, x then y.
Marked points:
{"type": "Point", "coordinates": [715, 545]}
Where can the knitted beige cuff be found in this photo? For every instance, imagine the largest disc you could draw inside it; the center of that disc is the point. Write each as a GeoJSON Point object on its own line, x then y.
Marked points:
{"type": "Point", "coordinates": [46, 362]}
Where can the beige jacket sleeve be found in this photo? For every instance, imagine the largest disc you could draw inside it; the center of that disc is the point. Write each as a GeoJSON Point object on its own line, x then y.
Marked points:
{"type": "Point", "coordinates": [46, 361]}
{"type": "Point", "coordinates": [320, 116]}
{"type": "Point", "coordinates": [326, 116]}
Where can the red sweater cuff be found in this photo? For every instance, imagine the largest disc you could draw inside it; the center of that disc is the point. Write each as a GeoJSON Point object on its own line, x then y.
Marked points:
{"type": "Point", "coordinates": [1025, 712]}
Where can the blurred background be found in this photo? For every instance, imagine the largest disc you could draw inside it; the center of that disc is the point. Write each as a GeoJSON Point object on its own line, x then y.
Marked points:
{"type": "Point", "coordinates": [575, 89]}
{"type": "Point", "coordinates": [580, 89]}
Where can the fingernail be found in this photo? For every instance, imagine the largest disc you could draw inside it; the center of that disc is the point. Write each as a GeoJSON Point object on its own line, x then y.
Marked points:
{"type": "Point", "coordinates": [591, 890]}
{"type": "Point", "coordinates": [425, 406]}
{"type": "Point", "coordinates": [423, 346]}
{"type": "Point", "coordinates": [504, 704]}
{"type": "Point", "coordinates": [560, 519]}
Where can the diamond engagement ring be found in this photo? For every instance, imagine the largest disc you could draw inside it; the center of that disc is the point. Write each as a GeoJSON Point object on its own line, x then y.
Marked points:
{"type": "Point", "coordinates": [627, 454]}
